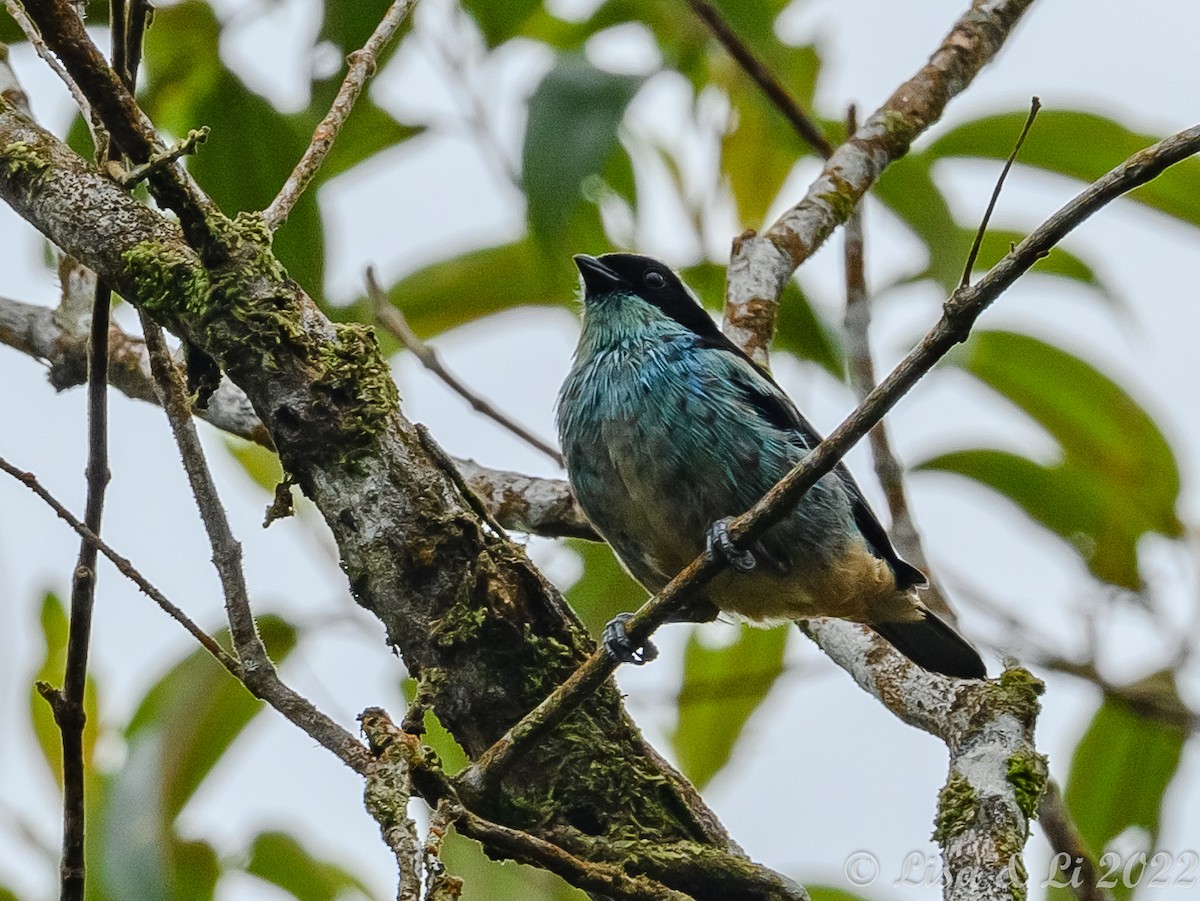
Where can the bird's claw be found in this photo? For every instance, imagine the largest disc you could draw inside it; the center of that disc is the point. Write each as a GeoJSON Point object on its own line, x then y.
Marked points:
{"type": "Point", "coordinates": [719, 546]}
{"type": "Point", "coordinates": [616, 642]}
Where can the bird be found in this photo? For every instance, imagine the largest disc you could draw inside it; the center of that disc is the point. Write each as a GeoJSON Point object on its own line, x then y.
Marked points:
{"type": "Point", "coordinates": [669, 429]}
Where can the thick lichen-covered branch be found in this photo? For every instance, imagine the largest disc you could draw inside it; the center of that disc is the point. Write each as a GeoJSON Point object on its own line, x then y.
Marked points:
{"type": "Point", "coordinates": [453, 597]}
{"type": "Point", "coordinates": [762, 263]}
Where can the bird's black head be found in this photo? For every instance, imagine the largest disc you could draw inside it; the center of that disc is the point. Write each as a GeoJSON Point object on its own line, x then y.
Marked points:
{"type": "Point", "coordinates": [654, 282]}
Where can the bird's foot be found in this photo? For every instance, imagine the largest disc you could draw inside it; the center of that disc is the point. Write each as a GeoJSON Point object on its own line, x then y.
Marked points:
{"type": "Point", "coordinates": [616, 642]}
{"type": "Point", "coordinates": [719, 546]}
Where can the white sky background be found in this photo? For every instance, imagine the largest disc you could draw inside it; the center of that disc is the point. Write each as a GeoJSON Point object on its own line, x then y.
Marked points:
{"type": "Point", "coordinates": [823, 770]}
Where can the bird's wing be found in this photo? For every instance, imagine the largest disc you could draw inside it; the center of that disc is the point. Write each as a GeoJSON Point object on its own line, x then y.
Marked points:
{"type": "Point", "coordinates": [777, 408]}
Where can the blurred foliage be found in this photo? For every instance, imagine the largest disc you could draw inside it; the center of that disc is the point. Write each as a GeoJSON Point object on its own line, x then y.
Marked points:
{"type": "Point", "coordinates": [722, 687]}
{"type": "Point", "coordinates": [1120, 775]}
{"type": "Point", "coordinates": [1115, 480]}
{"type": "Point", "coordinates": [187, 721]}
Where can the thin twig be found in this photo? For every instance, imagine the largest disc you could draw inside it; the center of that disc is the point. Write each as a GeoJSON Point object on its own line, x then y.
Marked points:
{"type": "Point", "coordinates": [17, 10]}
{"type": "Point", "coordinates": [361, 66]}
{"type": "Point", "coordinates": [1034, 105]}
{"type": "Point", "coordinates": [128, 126]}
{"type": "Point", "coordinates": [390, 317]}
{"type": "Point", "coordinates": [258, 673]}
{"type": "Point", "coordinates": [227, 551]}
{"type": "Point", "coordinates": [960, 313]}
{"type": "Point", "coordinates": [771, 86]}
{"type": "Point", "coordinates": [68, 705]}
{"type": "Point", "coordinates": [862, 376]}
{"type": "Point", "coordinates": [1062, 833]}
{"type": "Point", "coordinates": [180, 148]}
{"type": "Point", "coordinates": [125, 567]}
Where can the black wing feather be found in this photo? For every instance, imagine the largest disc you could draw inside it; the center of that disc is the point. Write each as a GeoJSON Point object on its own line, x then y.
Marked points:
{"type": "Point", "coordinates": [777, 409]}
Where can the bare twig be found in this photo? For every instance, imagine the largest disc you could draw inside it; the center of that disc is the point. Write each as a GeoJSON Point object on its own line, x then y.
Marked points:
{"type": "Point", "coordinates": [862, 377]}
{"type": "Point", "coordinates": [124, 567]}
{"type": "Point", "coordinates": [133, 133]}
{"type": "Point", "coordinates": [1034, 106]}
{"type": "Point", "coordinates": [258, 673]}
{"type": "Point", "coordinates": [361, 66]}
{"type": "Point", "coordinates": [761, 264]}
{"type": "Point", "coordinates": [762, 76]}
{"type": "Point", "coordinates": [227, 551]}
{"type": "Point", "coordinates": [391, 318]}
{"type": "Point", "coordinates": [960, 313]}
{"type": "Point", "coordinates": [1062, 833]}
{"type": "Point", "coordinates": [181, 148]}
{"type": "Point", "coordinates": [17, 10]}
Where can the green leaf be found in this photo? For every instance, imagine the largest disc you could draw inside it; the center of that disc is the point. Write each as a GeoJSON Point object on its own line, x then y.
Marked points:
{"type": "Point", "coordinates": [1081, 145]}
{"type": "Point", "coordinates": [500, 20]}
{"type": "Point", "coordinates": [604, 589]}
{"type": "Point", "coordinates": [195, 711]}
{"type": "Point", "coordinates": [182, 727]}
{"type": "Point", "coordinates": [1121, 770]}
{"type": "Point", "coordinates": [1118, 478]}
{"type": "Point", "coordinates": [55, 630]}
{"type": "Point", "coordinates": [261, 465]}
{"type": "Point", "coordinates": [721, 688]}
{"type": "Point", "coordinates": [997, 243]}
{"type": "Point", "coordinates": [492, 880]}
{"type": "Point", "coordinates": [759, 151]}
{"type": "Point", "coordinates": [251, 147]}
{"type": "Point", "coordinates": [908, 190]}
{"type": "Point", "coordinates": [829, 893]}
{"type": "Point", "coordinates": [459, 290]}
{"type": "Point", "coordinates": [571, 132]}
{"type": "Point", "coordinates": [280, 859]}
{"type": "Point", "coordinates": [800, 331]}
{"type": "Point", "coordinates": [196, 871]}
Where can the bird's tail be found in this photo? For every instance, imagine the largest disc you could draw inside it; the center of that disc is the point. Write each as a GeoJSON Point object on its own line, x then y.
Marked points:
{"type": "Point", "coordinates": [934, 645]}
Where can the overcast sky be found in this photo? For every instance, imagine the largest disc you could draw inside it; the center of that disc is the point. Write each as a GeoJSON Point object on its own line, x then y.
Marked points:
{"type": "Point", "coordinates": [820, 751]}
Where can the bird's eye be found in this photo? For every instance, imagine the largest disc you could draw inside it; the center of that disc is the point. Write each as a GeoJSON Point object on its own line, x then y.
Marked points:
{"type": "Point", "coordinates": [655, 279]}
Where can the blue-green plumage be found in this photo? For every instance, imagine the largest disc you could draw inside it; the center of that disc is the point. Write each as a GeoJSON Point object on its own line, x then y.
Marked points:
{"type": "Point", "coordinates": [667, 427]}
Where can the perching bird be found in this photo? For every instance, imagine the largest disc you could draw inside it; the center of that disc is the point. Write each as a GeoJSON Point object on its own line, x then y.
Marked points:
{"type": "Point", "coordinates": [669, 429]}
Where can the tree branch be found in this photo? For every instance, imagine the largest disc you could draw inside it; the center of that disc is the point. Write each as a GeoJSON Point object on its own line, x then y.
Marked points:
{"type": "Point", "coordinates": [761, 264]}
{"type": "Point", "coordinates": [392, 319]}
{"type": "Point", "coordinates": [960, 313]}
{"type": "Point", "coordinates": [773, 89]}
{"type": "Point", "coordinates": [361, 67]}
{"type": "Point", "coordinates": [455, 600]}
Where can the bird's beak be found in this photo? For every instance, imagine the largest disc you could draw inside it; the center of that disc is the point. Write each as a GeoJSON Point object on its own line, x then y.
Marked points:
{"type": "Point", "coordinates": [597, 278]}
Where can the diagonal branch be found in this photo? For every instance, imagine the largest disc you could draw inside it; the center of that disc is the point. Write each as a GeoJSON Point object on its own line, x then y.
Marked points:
{"type": "Point", "coordinates": [112, 101]}
{"type": "Point", "coordinates": [361, 67]}
{"type": "Point", "coordinates": [392, 318]}
{"type": "Point", "coordinates": [845, 642]}
{"type": "Point", "coordinates": [772, 87]}
{"type": "Point", "coordinates": [761, 264]}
